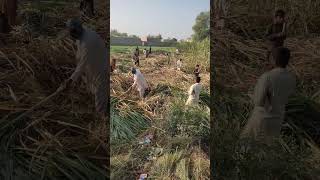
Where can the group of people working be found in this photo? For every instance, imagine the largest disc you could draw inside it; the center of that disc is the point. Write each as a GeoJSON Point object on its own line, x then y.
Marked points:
{"type": "Point", "coordinates": [136, 55]}
{"type": "Point", "coordinates": [92, 66]}
{"type": "Point", "coordinates": [142, 86]}
{"type": "Point", "coordinates": [273, 88]}
{"type": "Point", "coordinates": [270, 95]}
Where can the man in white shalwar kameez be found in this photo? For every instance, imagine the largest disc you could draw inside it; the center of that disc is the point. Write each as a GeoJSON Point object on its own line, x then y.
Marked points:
{"type": "Point", "coordinates": [194, 93]}
{"type": "Point", "coordinates": [92, 63]}
{"type": "Point", "coordinates": [270, 98]}
{"type": "Point", "coordinates": [179, 64]}
{"type": "Point", "coordinates": [139, 82]}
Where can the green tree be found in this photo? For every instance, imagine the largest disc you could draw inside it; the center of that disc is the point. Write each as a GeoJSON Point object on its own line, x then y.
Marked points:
{"type": "Point", "coordinates": [201, 27]}
{"type": "Point", "coordinates": [115, 33]}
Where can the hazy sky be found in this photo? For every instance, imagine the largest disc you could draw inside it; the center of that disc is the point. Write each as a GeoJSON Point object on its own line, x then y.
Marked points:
{"type": "Point", "coordinates": [170, 18]}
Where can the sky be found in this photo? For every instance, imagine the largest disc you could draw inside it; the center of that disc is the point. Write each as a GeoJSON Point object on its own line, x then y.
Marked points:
{"type": "Point", "coordinates": [170, 18]}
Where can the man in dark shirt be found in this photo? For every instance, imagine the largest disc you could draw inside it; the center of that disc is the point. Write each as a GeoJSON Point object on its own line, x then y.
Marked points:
{"type": "Point", "coordinates": [136, 58]}
{"type": "Point", "coordinates": [276, 33]}
{"type": "Point", "coordinates": [197, 70]}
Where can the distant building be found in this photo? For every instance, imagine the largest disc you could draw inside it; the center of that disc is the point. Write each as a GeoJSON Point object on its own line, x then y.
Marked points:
{"type": "Point", "coordinates": [144, 40]}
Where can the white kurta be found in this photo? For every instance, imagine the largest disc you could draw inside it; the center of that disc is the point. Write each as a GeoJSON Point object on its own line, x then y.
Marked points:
{"type": "Point", "coordinates": [179, 65]}
{"type": "Point", "coordinates": [270, 98]}
{"type": "Point", "coordinates": [140, 82]}
{"type": "Point", "coordinates": [92, 62]}
{"type": "Point", "coordinates": [194, 94]}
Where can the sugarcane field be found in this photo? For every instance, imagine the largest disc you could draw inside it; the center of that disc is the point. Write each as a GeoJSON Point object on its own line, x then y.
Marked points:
{"type": "Point", "coordinates": [243, 76]}
{"type": "Point", "coordinates": [48, 131]}
{"type": "Point", "coordinates": [160, 95]}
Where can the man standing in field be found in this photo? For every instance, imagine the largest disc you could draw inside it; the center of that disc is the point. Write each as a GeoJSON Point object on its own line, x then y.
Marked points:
{"type": "Point", "coordinates": [276, 33]}
{"type": "Point", "coordinates": [270, 97]}
{"type": "Point", "coordinates": [136, 59]}
{"type": "Point", "coordinates": [92, 62]}
{"type": "Point", "coordinates": [197, 70]}
{"type": "Point", "coordinates": [113, 64]}
{"type": "Point", "coordinates": [137, 51]}
{"type": "Point", "coordinates": [139, 82]}
{"type": "Point", "coordinates": [194, 93]}
{"type": "Point", "coordinates": [179, 64]}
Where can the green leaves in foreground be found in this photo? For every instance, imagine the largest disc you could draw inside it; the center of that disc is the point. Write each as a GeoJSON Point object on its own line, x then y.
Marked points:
{"type": "Point", "coordinates": [17, 164]}
{"type": "Point", "coordinates": [303, 114]}
{"type": "Point", "coordinates": [190, 121]}
{"type": "Point", "coordinates": [126, 122]}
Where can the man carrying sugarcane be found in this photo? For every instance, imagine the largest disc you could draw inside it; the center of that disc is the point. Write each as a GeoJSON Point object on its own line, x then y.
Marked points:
{"type": "Point", "coordinates": [168, 56]}
{"type": "Point", "coordinates": [92, 62]}
{"type": "Point", "coordinates": [139, 82]}
{"type": "Point", "coordinates": [270, 98]}
{"type": "Point", "coordinates": [276, 32]}
{"type": "Point", "coordinates": [194, 93]}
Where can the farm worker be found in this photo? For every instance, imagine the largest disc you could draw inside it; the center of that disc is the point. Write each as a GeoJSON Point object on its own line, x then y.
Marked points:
{"type": "Point", "coordinates": [194, 92]}
{"type": "Point", "coordinates": [179, 64]}
{"type": "Point", "coordinates": [139, 82]}
{"type": "Point", "coordinates": [8, 11]}
{"type": "Point", "coordinates": [168, 56]}
{"type": "Point", "coordinates": [137, 51]}
{"type": "Point", "coordinates": [113, 64]}
{"type": "Point", "coordinates": [136, 59]}
{"type": "Point", "coordinates": [150, 50]}
{"type": "Point", "coordinates": [177, 51]}
{"type": "Point", "coordinates": [91, 55]}
{"type": "Point", "coordinates": [276, 32]}
{"type": "Point", "coordinates": [144, 51]}
{"type": "Point", "coordinates": [197, 70]}
{"type": "Point", "coordinates": [270, 97]}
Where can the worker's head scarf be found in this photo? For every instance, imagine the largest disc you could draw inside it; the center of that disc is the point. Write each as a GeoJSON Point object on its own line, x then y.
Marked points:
{"type": "Point", "coordinates": [75, 28]}
{"type": "Point", "coordinates": [133, 70]}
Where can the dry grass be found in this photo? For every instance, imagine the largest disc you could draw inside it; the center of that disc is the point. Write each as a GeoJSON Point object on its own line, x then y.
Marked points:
{"type": "Point", "coordinates": [63, 135]}
{"type": "Point", "coordinates": [239, 57]}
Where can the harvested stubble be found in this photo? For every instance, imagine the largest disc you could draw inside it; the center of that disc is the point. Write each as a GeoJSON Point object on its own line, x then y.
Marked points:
{"type": "Point", "coordinates": [57, 129]}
